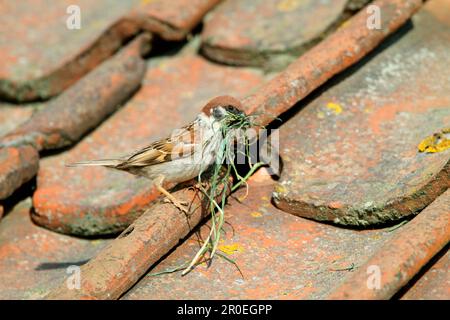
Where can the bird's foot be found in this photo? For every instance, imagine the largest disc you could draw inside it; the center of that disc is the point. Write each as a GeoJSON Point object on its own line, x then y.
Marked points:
{"type": "Point", "coordinates": [200, 186]}
{"type": "Point", "coordinates": [183, 206]}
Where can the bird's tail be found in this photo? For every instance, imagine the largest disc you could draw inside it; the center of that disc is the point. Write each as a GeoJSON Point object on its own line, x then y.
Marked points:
{"type": "Point", "coordinates": [104, 163]}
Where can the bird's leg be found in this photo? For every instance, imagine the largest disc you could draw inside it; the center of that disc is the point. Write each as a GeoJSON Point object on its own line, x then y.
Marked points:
{"type": "Point", "coordinates": [199, 185]}
{"type": "Point", "coordinates": [181, 205]}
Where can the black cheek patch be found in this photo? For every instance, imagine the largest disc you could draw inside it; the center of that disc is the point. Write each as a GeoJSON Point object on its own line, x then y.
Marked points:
{"type": "Point", "coordinates": [217, 114]}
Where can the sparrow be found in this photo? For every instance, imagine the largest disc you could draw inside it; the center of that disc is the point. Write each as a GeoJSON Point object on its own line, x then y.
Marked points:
{"type": "Point", "coordinates": [187, 153]}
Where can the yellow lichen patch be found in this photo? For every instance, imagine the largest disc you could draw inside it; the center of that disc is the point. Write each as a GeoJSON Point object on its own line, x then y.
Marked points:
{"type": "Point", "coordinates": [97, 242]}
{"type": "Point", "coordinates": [320, 115]}
{"type": "Point", "coordinates": [376, 237]}
{"type": "Point", "coordinates": [288, 5]}
{"type": "Point", "coordinates": [344, 24]}
{"type": "Point", "coordinates": [256, 214]}
{"type": "Point", "coordinates": [144, 2]}
{"type": "Point", "coordinates": [443, 145]}
{"type": "Point", "coordinates": [426, 143]}
{"type": "Point", "coordinates": [438, 142]}
{"type": "Point", "coordinates": [231, 248]}
{"type": "Point", "coordinates": [280, 189]}
{"type": "Point", "coordinates": [336, 108]}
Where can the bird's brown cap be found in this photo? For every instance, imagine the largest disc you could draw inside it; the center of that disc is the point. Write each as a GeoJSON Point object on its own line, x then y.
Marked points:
{"type": "Point", "coordinates": [222, 101]}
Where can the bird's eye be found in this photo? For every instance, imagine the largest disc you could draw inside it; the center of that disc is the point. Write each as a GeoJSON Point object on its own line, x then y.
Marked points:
{"type": "Point", "coordinates": [230, 109]}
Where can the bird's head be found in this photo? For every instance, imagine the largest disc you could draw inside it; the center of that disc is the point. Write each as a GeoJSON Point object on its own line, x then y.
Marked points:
{"type": "Point", "coordinates": [228, 111]}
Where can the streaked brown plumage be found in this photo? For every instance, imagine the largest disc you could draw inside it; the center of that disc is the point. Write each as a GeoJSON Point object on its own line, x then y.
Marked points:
{"type": "Point", "coordinates": [184, 155]}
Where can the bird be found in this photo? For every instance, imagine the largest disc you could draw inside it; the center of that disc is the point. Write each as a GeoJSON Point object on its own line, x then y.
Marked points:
{"type": "Point", "coordinates": [187, 153]}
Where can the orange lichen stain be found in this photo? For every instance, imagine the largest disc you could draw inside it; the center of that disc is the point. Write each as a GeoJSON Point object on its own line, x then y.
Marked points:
{"type": "Point", "coordinates": [438, 142]}
{"type": "Point", "coordinates": [336, 108]}
{"type": "Point", "coordinates": [137, 201]}
{"type": "Point", "coordinates": [8, 250]}
{"type": "Point", "coordinates": [45, 245]}
{"type": "Point", "coordinates": [269, 290]}
{"type": "Point", "coordinates": [388, 112]}
{"type": "Point", "coordinates": [11, 159]}
{"type": "Point", "coordinates": [41, 204]}
{"type": "Point", "coordinates": [334, 257]}
{"type": "Point", "coordinates": [231, 248]}
{"type": "Point", "coordinates": [305, 227]}
{"type": "Point", "coordinates": [14, 152]}
{"type": "Point", "coordinates": [300, 239]}
{"type": "Point", "coordinates": [256, 214]}
{"type": "Point", "coordinates": [266, 242]}
{"type": "Point", "coordinates": [288, 5]}
{"type": "Point", "coordinates": [252, 233]}
{"type": "Point", "coordinates": [336, 205]}
{"type": "Point", "coordinates": [115, 79]}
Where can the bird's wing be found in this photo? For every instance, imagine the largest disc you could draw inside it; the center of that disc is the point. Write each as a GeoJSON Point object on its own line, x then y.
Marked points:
{"type": "Point", "coordinates": [180, 145]}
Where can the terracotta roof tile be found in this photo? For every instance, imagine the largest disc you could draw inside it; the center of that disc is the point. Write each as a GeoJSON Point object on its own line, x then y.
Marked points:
{"type": "Point", "coordinates": [349, 139]}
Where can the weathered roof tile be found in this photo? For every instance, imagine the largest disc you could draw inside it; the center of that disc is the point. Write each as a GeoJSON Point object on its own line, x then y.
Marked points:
{"type": "Point", "coordinates": [355, 160]}
{"type": "Point", "coordinates": [268, 34]}
{"type": "Point", "coordinates": [34, 260]}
